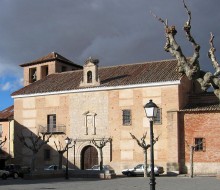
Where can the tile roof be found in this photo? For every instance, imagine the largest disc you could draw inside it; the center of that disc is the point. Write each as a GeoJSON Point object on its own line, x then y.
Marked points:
{"type": "Point", "coordinates": [206, 101]}
{"type": "Point", "coordinates": [7, 113]}
{"type": "Point", "coordinates": [120, 75]}
{"type": "Point", "coordinates": [51, 57]}
{"type": "Point", "coordinates": [201, 107]}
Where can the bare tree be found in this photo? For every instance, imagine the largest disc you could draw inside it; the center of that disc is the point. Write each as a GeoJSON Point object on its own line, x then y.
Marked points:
{"type": "Point", "coordinates": [61, 150]}
{"type": "Point", "coordinates": [34, 142]}
{"type": "Point", "coordinates": [100, 144]}
{"type": "Point", "coordinates": [2, 143]}
{"type": "Point", "coordinates": [190, 66]}
{"type": "Point", "coordinates": [192, 150]}
{"type": "Point", "coordinates": [144, 146]}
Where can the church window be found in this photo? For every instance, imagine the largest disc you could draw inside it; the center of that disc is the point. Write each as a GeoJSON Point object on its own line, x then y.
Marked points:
{"type": "Point", "coordinates": [89, 77]}
{"type": "Point", "coordinates": [158, 118]}
{"type": "Point", "coordinates": [199, 144]}
{"type": "Point", "coordinates": [126, 117]}
{"type": "Point", "coordinates": [51, 123]}
{"type": "Point", "coordinates": [32, 75]}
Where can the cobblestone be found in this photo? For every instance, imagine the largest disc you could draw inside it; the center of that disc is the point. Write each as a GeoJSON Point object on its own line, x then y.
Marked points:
{"type": "Point", "coordinates": [123, 183]}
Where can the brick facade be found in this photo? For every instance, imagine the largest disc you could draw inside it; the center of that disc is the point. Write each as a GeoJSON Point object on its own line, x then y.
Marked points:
{"type": "Point", "coordinates": [203, 125]}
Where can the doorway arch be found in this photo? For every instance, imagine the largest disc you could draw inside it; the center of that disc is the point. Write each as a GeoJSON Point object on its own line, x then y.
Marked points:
{"type": "Point", "coordinates": [89, 157]}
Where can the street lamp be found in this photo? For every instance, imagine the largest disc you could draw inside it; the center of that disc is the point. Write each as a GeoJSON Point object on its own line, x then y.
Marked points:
{"type": "Point", "coordinates": [151, 112]}
{"type": "Point", "coordinates": [67, 141]}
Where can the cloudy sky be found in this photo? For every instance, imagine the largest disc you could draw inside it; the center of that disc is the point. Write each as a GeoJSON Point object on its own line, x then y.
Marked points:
{"type": "Point", "coordinates": [114, 31]}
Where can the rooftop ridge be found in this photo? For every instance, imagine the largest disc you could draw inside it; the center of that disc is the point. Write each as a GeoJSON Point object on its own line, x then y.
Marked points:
{"type": "Point", "coordinates": [110, 76]}
{"type": "Point", "coordinates": [139, 63]}
{"type": "Point", "coordinates": [50, 57]}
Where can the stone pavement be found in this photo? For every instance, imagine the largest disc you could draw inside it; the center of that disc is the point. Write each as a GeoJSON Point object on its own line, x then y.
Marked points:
{"type": "Point", "coordinates": [119, 183]}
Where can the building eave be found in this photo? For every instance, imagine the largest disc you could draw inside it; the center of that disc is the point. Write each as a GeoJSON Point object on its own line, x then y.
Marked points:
{"type": "Point", "coordinates": [94, 89]}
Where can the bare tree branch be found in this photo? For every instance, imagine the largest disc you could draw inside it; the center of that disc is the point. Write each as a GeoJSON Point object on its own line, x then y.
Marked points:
{"type": "Point", "coordinates": [100, 146]}
{"type": "Point", "coordinates": [194, 146]}
{"type": "Point", "coordinates": [102, 142]}
{"type": "Point", "coordinates": [160, 19]}
{"type": "Point", "coordinates": [142, 142]}
{"type": "Point", "coordinates": [187, 29]}
{"type": "Point", "coordinates": [3, 142]}
{"type": "Point", "coordinates": [190, 66]}
{"type": "Point", "coordinates": [34, 143]}
{"type": "Point", "coordinates": [212, 56]}
{"type": "Point", "coordinates": [144, 146]}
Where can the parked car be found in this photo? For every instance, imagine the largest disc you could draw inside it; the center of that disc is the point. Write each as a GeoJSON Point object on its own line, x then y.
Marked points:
{"type": "Point", "coordinates": [4, 174]}
{"type": "Point", "coordinates": [52, 168]}
{"type": "Point", "coordinates": [106, 168]}
{"type": "Point", "coordinates": [139, 170]}
{"type": "Point", "coordinates": [16, 170]}
{"type": "Point", "coordinates": [56, 167]}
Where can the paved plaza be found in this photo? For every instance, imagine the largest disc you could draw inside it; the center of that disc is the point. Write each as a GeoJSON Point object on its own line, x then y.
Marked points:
{"type": "Point", "coordinates": [123, 183]}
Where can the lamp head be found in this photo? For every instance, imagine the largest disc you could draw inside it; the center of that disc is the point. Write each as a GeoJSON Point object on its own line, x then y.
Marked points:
{"type": "Point", "coordinates": [151, 109]}
{"type": "Point", "coordinates": [67, 140]}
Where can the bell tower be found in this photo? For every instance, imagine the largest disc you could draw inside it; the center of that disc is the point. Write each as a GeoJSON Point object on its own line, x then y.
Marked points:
{"type": "Point", "coordinates": [90, 73]}
{"type": "Point", "coordinates": [49, 64]}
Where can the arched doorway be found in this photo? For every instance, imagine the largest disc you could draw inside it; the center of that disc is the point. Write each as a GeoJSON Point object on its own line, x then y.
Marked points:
{"type": "Point", "coordinates": [89, 157]}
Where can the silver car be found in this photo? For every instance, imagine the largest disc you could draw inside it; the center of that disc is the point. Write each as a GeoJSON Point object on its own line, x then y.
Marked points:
{"type": "Point", "coordinates": [139, 170]}
{"type": "Point", "coordinates": [106, 168]}
{"type": "Point", "coordinates": [56, 167]}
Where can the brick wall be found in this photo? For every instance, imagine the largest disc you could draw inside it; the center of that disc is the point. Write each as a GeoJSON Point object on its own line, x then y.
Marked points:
{"type": "Point", "coordinates": [203, 125]}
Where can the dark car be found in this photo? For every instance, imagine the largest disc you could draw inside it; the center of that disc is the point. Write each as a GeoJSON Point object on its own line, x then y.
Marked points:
{"type": "Point", "coordinates": [15, 170]}
{"type": "Point", "coordinates": [4, 174]}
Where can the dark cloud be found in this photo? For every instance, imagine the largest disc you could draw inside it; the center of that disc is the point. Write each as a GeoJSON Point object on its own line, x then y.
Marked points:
{"type": "Point", "coordinates": [115, 31]}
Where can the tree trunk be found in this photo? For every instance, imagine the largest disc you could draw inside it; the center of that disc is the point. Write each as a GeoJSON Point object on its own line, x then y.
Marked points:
{"type": "Point", "coordinates": [145, 163]}
{"type": "Point", "coordinates": [191, 161]}
{"type": "Point", "coordinates": [101, 159]}
{"type": "Point", "coordinates": [60, 160]}
{"type": "Point", "coordinates": [33, 161]}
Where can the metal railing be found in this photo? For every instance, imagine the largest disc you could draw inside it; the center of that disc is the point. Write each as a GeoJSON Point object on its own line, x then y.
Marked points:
{"type": "Point", "coordinates": [53, 129]}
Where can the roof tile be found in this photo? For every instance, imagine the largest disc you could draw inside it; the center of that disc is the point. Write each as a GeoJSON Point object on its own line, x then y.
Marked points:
{"type": "Point", "coordinates": [201, 107]}
{"type": "Point", "coordinates": [7, 113]}
{"type": "Point", "coordinates": [51, 57]}
{"type": "Point", "coordinates": [130, 74]}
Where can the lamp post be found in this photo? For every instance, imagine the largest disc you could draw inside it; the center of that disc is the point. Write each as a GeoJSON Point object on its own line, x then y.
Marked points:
{"type": "Point", "coordinates": [67, 141]}
{"type": "Point", "coordinates": [151, 112]}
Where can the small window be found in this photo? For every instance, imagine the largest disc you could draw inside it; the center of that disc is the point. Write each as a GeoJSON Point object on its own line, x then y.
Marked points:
{"type": "Point", "coordinates": [126, 117]}
{"type": "Point", "coordinates": [157, 119]}
{"type": "Point", "coordinates": [51, 123]}
{"type": "Point", "coordinates": [199, 144]}
{"type": "Point", "coordinates": [44, 71]}
{"type": "Point", "coordinates": [89, 77]}
{"type": "Point", "coordinates": [32, 75]}
{"type": "Point", "coordinates": [46, 154]}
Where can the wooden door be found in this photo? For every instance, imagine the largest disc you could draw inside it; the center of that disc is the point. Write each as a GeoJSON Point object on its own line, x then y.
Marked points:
{"type": "Point", "coordinates": [89, 157]}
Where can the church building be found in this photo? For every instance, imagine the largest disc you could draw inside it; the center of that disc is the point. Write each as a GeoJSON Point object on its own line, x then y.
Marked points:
{"type": "Point", "coordinates": [94, 103]}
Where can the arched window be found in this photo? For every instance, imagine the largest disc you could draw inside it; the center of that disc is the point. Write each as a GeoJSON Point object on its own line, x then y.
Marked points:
{"type": "Point", "coordinates": [89, 77]}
